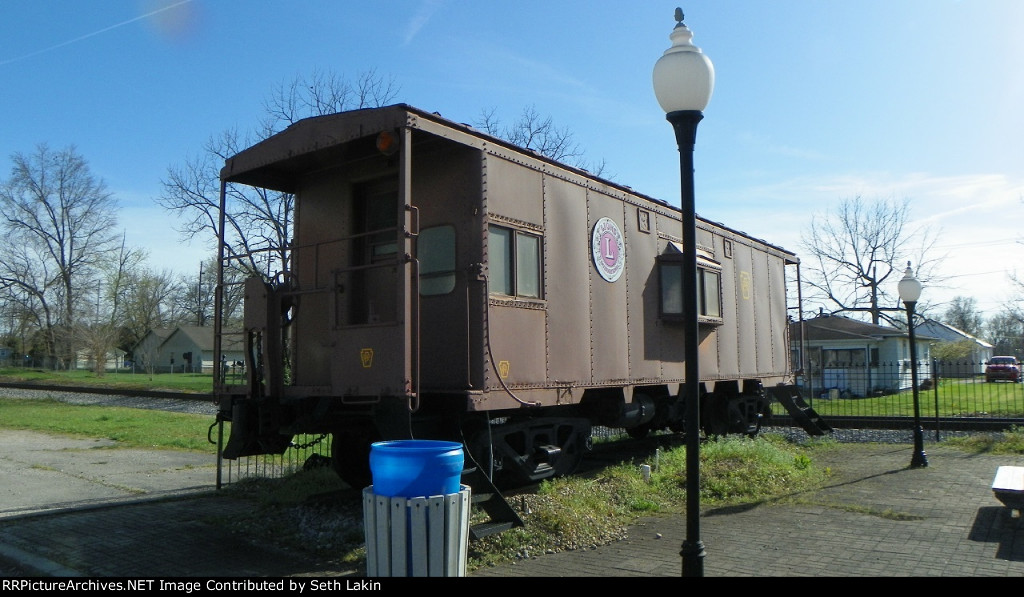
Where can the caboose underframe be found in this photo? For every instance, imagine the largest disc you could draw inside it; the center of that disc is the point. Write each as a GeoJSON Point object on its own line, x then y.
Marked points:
{"type": "Point", "coordinates": [444, 284]}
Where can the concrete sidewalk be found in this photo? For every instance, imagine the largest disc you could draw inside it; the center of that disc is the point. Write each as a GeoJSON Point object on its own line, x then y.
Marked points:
{"type": "Point", "coordinates": [70, 509]}
{"type": "Point", "coordinates": [46, 472]}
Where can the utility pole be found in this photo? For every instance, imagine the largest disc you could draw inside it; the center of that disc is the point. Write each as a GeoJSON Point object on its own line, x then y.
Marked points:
{"type": "Point", "coordinates": [199, 296]}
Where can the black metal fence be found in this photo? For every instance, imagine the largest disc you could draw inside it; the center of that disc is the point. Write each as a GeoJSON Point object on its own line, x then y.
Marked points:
{"type": "Point", "coordinates": [951, 396]}
{"type": "Point", "coordinates": [955, 393]}
{"type": "Point", "coordinates": [306, 451]}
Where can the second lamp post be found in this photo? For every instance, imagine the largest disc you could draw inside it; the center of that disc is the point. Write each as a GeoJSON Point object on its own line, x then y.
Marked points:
{"type": "Point", "coordinates": [910, 290]}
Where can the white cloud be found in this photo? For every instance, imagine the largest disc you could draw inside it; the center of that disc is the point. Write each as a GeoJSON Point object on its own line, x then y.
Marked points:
{"type": "Point", "coordinates": [420, 19]}
{"type": "Point", "coordinates": [978, 221]}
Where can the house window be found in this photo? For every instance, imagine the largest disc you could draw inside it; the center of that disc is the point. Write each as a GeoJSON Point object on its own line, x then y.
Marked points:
{"type": "Point", "coordinates": [436, 250]}
{"type": "Point", "coordinates": [514, 260]}
{"type": "Point", "coordinates": [709, 286]}
{"type": "Point", "coordinates": [843, 357]}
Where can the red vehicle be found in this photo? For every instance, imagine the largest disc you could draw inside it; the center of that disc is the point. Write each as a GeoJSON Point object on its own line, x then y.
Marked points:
{"type": "Point", "coordinates": [1005, 368]}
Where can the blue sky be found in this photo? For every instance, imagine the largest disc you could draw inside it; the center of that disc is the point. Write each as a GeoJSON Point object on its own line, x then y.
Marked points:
{"type": "Point", "coordinates": [815, 101]}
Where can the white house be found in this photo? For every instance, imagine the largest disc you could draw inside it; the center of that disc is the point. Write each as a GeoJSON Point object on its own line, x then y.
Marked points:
{"type": "Point", "coordinates": [186, 348]}
{"type": "Point", "coordinates": [972, 364]}
{"type": "Point", "coordinates": [84, 359]}
{"type": "Point", "coordinates": [854, 358]}
{"type": "Point", "coordinates": [146, 352]}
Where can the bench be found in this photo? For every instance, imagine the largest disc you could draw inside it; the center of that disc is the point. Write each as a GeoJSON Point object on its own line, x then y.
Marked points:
{"type": "Point", "coordinates": [1008, 487]}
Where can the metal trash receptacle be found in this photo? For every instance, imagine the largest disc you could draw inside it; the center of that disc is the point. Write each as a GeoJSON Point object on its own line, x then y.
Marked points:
{"type": "Point", "coordinates": [416, 536]}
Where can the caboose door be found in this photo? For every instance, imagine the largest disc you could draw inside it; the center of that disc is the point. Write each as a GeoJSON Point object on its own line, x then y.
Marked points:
{"type": "Point", "coordinates": [373, 307]}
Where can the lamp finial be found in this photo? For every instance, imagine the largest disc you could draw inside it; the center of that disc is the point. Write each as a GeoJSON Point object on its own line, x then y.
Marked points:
{"type": "Point", "coordinates": [679, 16]}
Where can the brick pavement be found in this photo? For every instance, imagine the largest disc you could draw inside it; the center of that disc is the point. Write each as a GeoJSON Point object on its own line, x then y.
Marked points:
{"type": "Point", "coordinates": [875, 518]}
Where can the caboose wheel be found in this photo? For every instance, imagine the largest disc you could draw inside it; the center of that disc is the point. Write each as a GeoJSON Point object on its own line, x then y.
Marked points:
{"type": "Point", "coordinates": [755, 428]}
{"type": "Point", "coordinates": [525, 451]}
{"type": "Point", "coordinates": [715, 416]}
{"type": "Point", "coordinates": [350, 456]}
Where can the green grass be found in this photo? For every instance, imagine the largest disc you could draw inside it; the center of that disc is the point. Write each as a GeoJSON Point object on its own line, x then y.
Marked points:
{"type": "Point", "coordinates": [1007, 442]}
{"type": "Point", "coordinates": [566, 513]}
{"type": "Point", "coordinates": [130, 427]}
{"type": "Point", "coordinates": [580, 512]}
{"type": "Point", "coordinates": [952, 398]}
{"type": "Point", "coordinates": [200, 383]}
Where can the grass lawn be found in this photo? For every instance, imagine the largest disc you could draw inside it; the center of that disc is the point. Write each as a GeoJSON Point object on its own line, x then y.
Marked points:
{"type": "Point", "coordinates": [199, 383]}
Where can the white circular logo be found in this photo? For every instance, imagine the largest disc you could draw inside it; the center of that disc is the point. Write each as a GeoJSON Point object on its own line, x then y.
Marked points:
{"type": "Point", "coordinates": [608, 249]}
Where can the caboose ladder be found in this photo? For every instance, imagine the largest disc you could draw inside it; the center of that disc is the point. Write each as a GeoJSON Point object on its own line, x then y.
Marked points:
{"type": "Point", "coordinates": [804, 415]}
{"type": "Point", "coordinates": [490, 500]}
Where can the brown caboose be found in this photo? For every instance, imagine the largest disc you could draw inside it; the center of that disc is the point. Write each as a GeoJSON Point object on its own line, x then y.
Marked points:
{"type": "Point", "coordinates": [445, 284]}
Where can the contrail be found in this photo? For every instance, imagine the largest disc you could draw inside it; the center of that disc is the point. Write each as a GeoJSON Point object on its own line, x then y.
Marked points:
{"type": "Point", "coordinates": [94, 33]}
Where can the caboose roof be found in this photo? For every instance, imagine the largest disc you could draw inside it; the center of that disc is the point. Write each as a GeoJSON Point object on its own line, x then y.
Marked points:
{"type": "Point", "coordinates": [279, 162]}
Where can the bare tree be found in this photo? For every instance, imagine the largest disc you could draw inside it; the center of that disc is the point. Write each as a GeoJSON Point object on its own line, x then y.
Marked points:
{"type": "Point", "coordinates": [22, 326]}
{"type": "Point", "coordinates": [963, 314]}
{"type": "Point", "coordinates": [96, 339]}
{"type": "Point", "coordinates": [57, 220]}
{"type": "Point", "coordinates": [258, 222]}
{"type": "Point", "coordinates": [30, 314]}
{"type": "Point", "coordinates": [1005, 332]}
{"type": "Point", "coordinates": [147, 303]}
{"type": "Point", "coordinates": [194, 295]}
{"type": "Point", "coordinates": [857, 255]}
{"type": "Point", "coordinates": [538, 133]}
{"type": "Point", "coordinates": [100, 332]}
{"type": "Point", "coordinates": [30, 291]}
{"type": "Point", "coordinates": [324, 93]}
{"type": "Point", "coordinates": [1015, 306]}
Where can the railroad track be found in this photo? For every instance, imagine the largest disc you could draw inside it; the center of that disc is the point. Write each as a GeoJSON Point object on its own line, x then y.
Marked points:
{"type": "Point", "coordinates": [150, 399]}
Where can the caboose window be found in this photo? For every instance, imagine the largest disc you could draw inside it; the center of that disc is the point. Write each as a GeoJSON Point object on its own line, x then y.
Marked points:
{"type": "Point", "coordinates": [499, 260]}
{"type": "Point", "coordinates": [708, 302]}
{"type": "Point", "coordinates": [372, 287]}
{"type": "Point", "coordinates": [376, 217]}
{"type": "Point", "coordinates": [709, 286]}
{"type": "Point", "coordinates": [527, 265]}
{"type": "Point", "coordinates": [513, 262]}
{"type": "Point", "coordinates": [671, 289]}
{"type": "Point", "coordinates": [436, 250]}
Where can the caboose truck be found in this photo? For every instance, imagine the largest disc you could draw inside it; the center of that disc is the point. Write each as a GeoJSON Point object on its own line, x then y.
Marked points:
{"type": "Point", "coordinates": [445, 284]}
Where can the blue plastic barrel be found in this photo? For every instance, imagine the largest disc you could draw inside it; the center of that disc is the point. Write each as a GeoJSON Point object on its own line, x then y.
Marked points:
{"type": "Point", "coordinates": [416, 467]}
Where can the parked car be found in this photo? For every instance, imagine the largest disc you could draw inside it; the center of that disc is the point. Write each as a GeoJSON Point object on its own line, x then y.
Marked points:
{"type": "Point", "coordinates": [1005, 368]}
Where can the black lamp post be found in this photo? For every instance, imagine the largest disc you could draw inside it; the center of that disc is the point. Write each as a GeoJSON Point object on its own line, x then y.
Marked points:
{"type": "Point", "coordinates": [910, 291]}
{"type": "Point", "coordinates": [683, 81]}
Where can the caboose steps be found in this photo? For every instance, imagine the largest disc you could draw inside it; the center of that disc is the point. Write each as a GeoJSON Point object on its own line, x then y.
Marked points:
{"type": "Point", "coordinates": [485, 495]}
{"type": "Point", "coordinates": [802, 413]}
